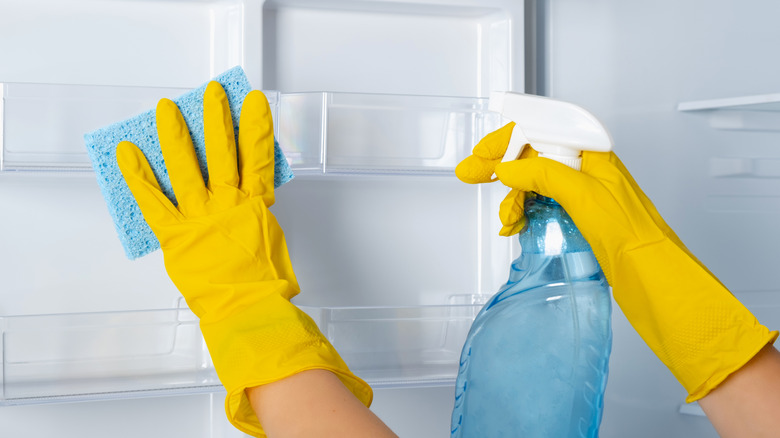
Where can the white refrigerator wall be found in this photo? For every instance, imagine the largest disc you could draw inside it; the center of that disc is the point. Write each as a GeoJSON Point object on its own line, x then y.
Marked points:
{"type": "Point", "coordinates": [631, 64]}
{"type": "Point", "coordinates": [59, 251]}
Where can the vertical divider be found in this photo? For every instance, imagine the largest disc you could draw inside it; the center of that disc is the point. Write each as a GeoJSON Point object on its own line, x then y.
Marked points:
{"type": "Point", "coordinates": [3, 324]}
{"type": "Point", "coordinates": [324, 130]}
{"type": "Point", "coordinates": [2, 125]}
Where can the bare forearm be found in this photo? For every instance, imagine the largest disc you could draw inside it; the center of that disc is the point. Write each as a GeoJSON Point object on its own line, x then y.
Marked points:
{"type": "Point", "coordinates": [313, 403]}
{"type": "Point", "coordinates": [747, 404]}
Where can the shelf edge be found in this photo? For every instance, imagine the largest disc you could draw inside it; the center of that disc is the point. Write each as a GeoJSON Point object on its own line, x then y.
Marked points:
{"type": "Point", "coordinates": [728, 103]}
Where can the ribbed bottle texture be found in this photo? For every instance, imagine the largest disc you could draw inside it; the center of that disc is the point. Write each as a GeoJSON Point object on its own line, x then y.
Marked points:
{"type": "Point", "coordinates": [535, 360]}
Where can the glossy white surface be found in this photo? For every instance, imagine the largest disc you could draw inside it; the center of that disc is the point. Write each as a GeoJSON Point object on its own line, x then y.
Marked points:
{"type": "Point", "coordinates": [632, 64]}
{"type": "Point", "coordinates": [440, 48]}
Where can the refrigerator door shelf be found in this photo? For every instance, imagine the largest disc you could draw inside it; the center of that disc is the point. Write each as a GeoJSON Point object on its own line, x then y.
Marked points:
{"type": "Point", "coordinates": [114, 355]}
{"type": "Point", "coordinates": [392, 347]}
{"type": "Point", "coordinates": [347, 133]}
{"type": "Point", "coordinates": [321, 133]}
{"type": "Point", "coordinates": [42, 125]}
{"type": "Point", "coordinates": [103, 355]}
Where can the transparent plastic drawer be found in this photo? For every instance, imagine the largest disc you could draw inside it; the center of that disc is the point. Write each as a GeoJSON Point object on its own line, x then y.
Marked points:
{"type": "Point", "coordinates": [333, 133]}
{"type": "Point", "coordinates": [399, 346]}
{"type": "Point", "coordinates": [110, 355]}
{"type": "Point", "coordinates": [85, 356]}
{"type": "Point", "coordinates": [43, 125]}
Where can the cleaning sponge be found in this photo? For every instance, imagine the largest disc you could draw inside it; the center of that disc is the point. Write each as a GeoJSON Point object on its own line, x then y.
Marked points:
{"type": "Point", "coordinates": [134, 233]}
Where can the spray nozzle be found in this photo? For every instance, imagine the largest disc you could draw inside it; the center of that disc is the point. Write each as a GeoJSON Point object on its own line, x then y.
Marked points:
{"type": "Point", "coordinates": [556, 129]}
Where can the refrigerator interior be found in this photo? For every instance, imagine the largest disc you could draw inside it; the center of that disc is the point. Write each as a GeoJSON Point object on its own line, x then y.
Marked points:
{"type": "Point", "coordinates": [374, 104]}
{"type": "Point", "coordinates": [691, 103]}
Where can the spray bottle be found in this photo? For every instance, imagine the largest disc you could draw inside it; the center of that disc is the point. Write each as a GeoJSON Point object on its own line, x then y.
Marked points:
{"type": "Point", "coordinates": [535, 361]}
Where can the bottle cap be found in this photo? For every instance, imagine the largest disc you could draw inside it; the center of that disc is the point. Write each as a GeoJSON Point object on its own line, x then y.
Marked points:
{"type": "Point", "coordinates": [556, 129]}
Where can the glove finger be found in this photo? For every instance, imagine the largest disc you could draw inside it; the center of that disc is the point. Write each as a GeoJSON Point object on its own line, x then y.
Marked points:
{"type": "Point", "coordinates": [478, 167]}
{"type": "Point", "coordinates": [493, 146]}
{"type": "Point", "coordinates": [511, 213]}
{"type": "Point", "coordinates": [220, 138]}
{"type": "Point", "coordinates": [180, 159]}
{"type": "Point", "coordinates": [475, 170]}
{"type": "Point", "coordinates": [256, 147]}
{"type": "Point", "coordinates": [549, 178]}
{"type": "Point", "coordinates": [528, 152]}
{"type": "Point", "coordinates": [155, 206]}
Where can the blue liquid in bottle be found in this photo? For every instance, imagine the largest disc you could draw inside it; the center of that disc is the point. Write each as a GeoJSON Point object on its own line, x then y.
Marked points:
{"type": "Point", "coordinates": [535, 360]}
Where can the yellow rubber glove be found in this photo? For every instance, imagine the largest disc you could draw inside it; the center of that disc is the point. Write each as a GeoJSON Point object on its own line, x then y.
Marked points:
{"type": "Point", "coordinates": [698, 329]}
{"type": "Point", "coordinates": [480, 168]}
{"type": "Point", "coordinates": [226, 253]}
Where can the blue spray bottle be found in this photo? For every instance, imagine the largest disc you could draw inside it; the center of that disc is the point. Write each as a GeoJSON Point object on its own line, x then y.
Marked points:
{"type": "Point", "coordinates": [535, 361]}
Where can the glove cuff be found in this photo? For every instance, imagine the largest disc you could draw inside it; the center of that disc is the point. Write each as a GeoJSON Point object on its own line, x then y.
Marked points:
{"type": "Point", "coordinates": [750, 347]}
{"type": "Point", "coordinates": [266, 342]}
{"type": "Point", "coordinates": [698, 329]}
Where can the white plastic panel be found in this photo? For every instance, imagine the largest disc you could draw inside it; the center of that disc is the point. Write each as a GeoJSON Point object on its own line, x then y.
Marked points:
{"type": "Point", "coordinates": [389, 47]}
{"type": "Point", "coordinates": [197, 415]}
{"type": "Point", "coordinates": [376, 244]}
{"type": "Point", "coordinates": [126, 42]}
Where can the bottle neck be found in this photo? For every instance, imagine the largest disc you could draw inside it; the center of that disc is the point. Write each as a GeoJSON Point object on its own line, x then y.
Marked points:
{"type": "Point", "coordinates": [549, 229]}
{"type": "Point", "coordinates": [552, 249]}
{"type": "Point", "coordinates": [541, 199]}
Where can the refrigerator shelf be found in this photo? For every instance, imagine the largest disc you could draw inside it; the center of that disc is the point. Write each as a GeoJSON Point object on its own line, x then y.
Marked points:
{"type": "Point", "coordinates": [744, 113]}
{"type": "Point", "coordinates": [321, 133]}
{"type": "Point", "coordinates": [103, 355]}
{"type": "Point", "coordinates": [130, 354]}
{"type": "Point", "coordinates": [399, 346]}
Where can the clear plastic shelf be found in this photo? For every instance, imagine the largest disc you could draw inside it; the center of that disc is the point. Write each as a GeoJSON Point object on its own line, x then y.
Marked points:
{"type": "Point", "coordinates": [343, 133]}
{"type": "Point", "coordinates": [88, 356]}
{"type": "Point", "coordinates": [399, 346]}
{"type": "Point", "coordinates": [110, 355]}
{"type": "Point", "coordinates": [42, 127]}
{"type": "Point", "coordinates": [745, 113]}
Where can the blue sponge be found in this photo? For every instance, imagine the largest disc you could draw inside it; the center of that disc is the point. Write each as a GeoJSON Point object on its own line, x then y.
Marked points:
{"type": "Point", "coordinates": [134, 233]}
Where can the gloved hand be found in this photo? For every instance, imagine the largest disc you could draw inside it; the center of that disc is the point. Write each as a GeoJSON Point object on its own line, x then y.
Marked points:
{"type": "Point", "coordinates": [698, 329]}
{"type": "Point", "coordinates": [226, 253]}
{"type": "Point", "coordinates": [480, 167]}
